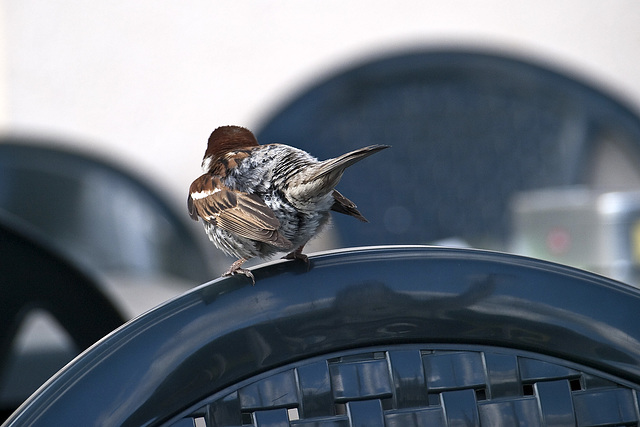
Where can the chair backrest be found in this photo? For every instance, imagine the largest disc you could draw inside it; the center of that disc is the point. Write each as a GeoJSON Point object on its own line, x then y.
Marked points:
{"type": "Point", "coordinates": [382, 336]}
{"type": "Point", "coordinates": [468, 131]}
{"type": "Point", "coordinates": [101, 216]}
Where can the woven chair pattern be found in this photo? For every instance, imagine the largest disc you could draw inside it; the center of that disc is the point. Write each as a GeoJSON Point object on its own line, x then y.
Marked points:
{"type": "Point", "coordinates": [415, 386]}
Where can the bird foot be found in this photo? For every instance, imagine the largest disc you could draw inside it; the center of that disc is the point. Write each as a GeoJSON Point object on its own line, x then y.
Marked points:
{"type": "Point", "coordinates": [297, 254]}
{"type": "Point", "coordinates": [235, 269]}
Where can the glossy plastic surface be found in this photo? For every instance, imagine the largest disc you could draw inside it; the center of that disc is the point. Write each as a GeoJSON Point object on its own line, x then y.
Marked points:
{"type": "Point", "coordinates": [226, 331]}
{"type": "Point", "coordinates": [416, 385]}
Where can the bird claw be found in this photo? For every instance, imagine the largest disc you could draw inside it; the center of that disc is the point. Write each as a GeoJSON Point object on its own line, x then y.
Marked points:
{"type": "Point", "coordinates": [244, 271]}
{"type": "Point", "coordinates": [235, 269]}
{"type": "Point", "coordinates": [297, 254]}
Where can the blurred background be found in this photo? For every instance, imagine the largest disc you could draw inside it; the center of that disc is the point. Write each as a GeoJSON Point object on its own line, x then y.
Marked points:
{"type": "Point", "coordinates": [145, 83]}
{"type": "Point", "coordinates": [514, 127]}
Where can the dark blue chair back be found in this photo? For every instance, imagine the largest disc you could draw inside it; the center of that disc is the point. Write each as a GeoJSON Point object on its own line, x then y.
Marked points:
{"type": "Point", "coordinates": [99, 215]}
{"type": "Point", "coordinates": [384, 336]}
{"type": "Point", "coordinates": [468, 130]}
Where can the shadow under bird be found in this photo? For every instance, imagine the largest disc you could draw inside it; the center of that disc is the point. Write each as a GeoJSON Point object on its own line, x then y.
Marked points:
{"type": "Point", "coordinates": [258, 200]}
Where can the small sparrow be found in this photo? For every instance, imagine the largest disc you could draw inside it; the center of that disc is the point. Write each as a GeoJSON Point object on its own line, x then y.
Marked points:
{"type": "Point", "coordinates": [257, 200]}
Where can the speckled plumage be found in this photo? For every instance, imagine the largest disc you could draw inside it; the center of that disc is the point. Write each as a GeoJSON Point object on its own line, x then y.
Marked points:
{"type": "Point", "coordinates": [257, 200]}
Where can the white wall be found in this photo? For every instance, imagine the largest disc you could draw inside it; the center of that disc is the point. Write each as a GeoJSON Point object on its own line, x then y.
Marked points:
{"type": "Point", "coordinates": [146, 81]}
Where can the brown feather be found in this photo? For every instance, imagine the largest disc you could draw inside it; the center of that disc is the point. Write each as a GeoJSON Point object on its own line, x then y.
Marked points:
{"type": "Point", "coordinates": [345, 206]}
{"type": "Point", "coordinates": [241, 213]}
{"type": "Point", "coordinates": [228, 138]}
{"type": "Point", "coordinates": [191, 208]}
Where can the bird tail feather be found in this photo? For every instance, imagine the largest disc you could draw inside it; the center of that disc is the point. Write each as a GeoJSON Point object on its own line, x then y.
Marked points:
{"type": "Point", "coordinates": [332, 169]}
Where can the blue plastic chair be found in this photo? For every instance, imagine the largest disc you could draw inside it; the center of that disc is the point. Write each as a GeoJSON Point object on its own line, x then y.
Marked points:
{"type": "Point", "coordinates": [379, 336]}
{"type": "Point", "coordinates": [468, 129]}
{"type": "Point", "coordinates": [97, 214]}
{"type": "Point", "coordinates": [33, 276]}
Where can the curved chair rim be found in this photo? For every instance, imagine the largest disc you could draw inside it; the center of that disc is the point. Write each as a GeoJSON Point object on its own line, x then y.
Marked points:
{"type": "Point", "coordinates": [226, 330]}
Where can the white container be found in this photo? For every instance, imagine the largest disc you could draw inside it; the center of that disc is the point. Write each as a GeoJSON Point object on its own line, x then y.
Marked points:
{"type": "Point", "coordinates": [599, 232]}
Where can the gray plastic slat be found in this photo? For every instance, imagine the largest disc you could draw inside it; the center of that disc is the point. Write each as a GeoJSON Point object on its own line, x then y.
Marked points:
{"type": "Point", "coordinates": [521, 412]}
{"type": "Point", "coordinates": [428, 417]}
{"type": "Point", "coordinates": [461, 409]}
{"type": "Point", "coordinates": [454, 370]}
{"type": "Point", "coordinates": [327, 422]}
{"type": "Point", "coordinates": [408, 379]}
{"type": "Point", "coordinates": [272, 418]}
{"type": "Point", "coordinates": [225, 411]}
{"type": "Point", "coordinates": [503, 376]}
{"type": "Point", "coordinates": [365, 413]}
{"type": "Point", "coordinates": [277, 390]}
{"type": "Point", "coordinates": [354, 380]}
{"type": "Point", "coordinates": [619, 403]}
{"type": "Point", "coordinates": [556, 403]}
{"type": "Point", "coordinates": [315, 390]}
{"type": "Point", "coordinates": [534, 370]}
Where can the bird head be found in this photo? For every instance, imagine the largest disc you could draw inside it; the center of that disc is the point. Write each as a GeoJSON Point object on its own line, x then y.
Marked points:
{"type": "Point", "coordinates": [225, 139]}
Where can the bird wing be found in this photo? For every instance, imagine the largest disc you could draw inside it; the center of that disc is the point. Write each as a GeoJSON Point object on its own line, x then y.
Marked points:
{"type": "Point", "coordinates": [240, 213]}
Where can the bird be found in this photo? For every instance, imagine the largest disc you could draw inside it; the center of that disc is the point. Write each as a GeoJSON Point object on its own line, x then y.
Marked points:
{"type": "Point", "coordinates": [257, 200]}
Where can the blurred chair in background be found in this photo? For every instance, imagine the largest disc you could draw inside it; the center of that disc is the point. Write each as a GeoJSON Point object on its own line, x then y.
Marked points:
{"type": "Point", "coordinates": [84, 246]}
{"type": "Point", "coordinates": [99, 215]}
{"type": "Point", "coordinates": [50, 311]}
{"type": "Point", "coordinates": [469, 131]}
